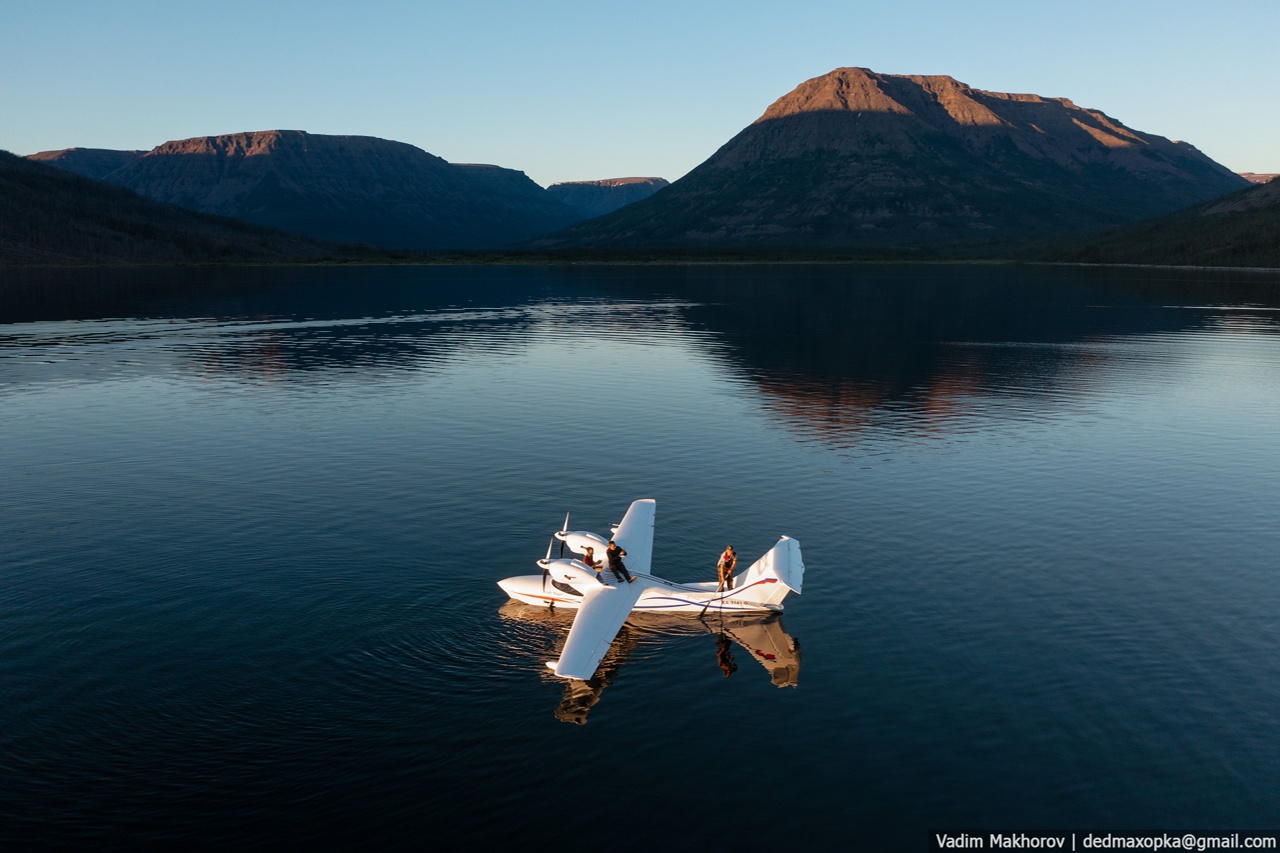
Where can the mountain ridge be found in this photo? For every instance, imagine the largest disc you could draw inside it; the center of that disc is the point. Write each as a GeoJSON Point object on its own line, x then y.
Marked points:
{"type": "Point", "coordinates": [848, 161]}
{"type": "Point", "coordinates": [856, 158]}
{"type": "Point", "coordinates": [1241, 229]}
{"type": "Point", "coordinates": [94, 163]}
{"type": "Point", "coordinates": [348, 189]}
{"type": "Point", "coordinates": [53, 216]}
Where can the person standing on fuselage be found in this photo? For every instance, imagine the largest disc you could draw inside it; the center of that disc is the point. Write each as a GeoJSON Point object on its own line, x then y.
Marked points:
{"type": "Point", "coordinates": [724, 568]}
{"type": "Point", "coordinates": [614, 554]}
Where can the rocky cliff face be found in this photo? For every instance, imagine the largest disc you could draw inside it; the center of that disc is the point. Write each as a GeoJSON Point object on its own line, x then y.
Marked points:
{"type": "Point", "coordinates": [353, 189]}
{"type": "Point", "coordinates": [596, 198]}
{"type": "Point", "coordinates": [94, 163]}
{"type": "Point", "coordinates": [856, 158]}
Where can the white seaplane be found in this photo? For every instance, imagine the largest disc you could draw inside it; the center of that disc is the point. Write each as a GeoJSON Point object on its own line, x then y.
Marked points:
{"type": "Point", "coordinates": [603, 607]}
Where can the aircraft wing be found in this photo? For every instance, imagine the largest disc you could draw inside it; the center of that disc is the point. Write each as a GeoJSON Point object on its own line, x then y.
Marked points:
{"type": "Point", "coordinates": [635, 536]}
{"type": "Point", "coordinates": [602, 613]}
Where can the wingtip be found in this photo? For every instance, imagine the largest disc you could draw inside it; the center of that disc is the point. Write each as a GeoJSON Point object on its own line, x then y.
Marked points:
{"type": "Point", "coordinates": [553, 666]}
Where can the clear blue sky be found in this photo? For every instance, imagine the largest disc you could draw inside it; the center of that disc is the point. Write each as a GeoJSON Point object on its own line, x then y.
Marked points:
{"type": "Point", "coordinates": [586, 90]}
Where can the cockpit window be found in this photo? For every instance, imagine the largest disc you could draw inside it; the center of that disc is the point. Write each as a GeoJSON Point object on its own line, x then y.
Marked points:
{"type": "Point", "coordinates": [564, 587]}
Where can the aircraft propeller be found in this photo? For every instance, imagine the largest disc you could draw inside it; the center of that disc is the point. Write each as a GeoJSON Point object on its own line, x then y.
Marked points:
{"type": "Point", "coordinates": [545, 563]}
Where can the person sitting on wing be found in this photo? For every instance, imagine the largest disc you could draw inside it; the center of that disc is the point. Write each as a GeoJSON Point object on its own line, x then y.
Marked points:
{"type": "Point", "coordinates": [615, 554]}
{"type": "Point", "coordinates": [592, 563]}
{"type": "Point", "coordinates": [724, 568]}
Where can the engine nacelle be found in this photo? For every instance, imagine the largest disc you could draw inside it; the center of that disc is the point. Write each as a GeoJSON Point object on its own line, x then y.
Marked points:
{"type": "Point", "coordinates": [573, 572]}
{"type": "Point", "coordinates": [580, 540]}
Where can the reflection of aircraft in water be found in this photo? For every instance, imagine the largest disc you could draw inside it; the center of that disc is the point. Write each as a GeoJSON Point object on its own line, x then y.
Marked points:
{"type": "Point", "coordinates": [765, 640]}
{"type": "Point", "coordinates": [761, 635]}
{"type": "Point", "coordinates": [602, 608]}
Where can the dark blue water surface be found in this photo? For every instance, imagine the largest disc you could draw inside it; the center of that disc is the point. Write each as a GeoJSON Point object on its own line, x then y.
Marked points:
{"type": "Point", "coordinates": [251, 523]}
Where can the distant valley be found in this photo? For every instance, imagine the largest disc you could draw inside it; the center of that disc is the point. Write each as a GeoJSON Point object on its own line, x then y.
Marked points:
{"type": "Point", "coordinates": [596, 198]}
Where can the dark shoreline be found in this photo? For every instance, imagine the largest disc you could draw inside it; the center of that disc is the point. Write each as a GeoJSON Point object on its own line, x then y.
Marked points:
{"type": "Point", "coordinates": [622, 259]}
{"type": "Point", "coordinates": [360, 256]}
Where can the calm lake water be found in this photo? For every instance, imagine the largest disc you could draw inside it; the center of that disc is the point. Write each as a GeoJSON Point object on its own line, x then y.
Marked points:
{"type": "Point", "coordinates": [252, 522]}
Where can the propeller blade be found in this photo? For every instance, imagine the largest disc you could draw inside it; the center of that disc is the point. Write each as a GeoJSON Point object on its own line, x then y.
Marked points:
{"type": "Point", "coordinates": [545, 561]}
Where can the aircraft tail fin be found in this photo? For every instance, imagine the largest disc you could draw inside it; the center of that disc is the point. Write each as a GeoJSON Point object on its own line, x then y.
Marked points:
{"type": "Point", "coordinates": [770, 578]}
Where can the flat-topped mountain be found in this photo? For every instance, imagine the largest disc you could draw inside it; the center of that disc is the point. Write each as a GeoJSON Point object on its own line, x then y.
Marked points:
{"type": "Point", "coordinates": [94, 163]}
{"type": "Point", "coordinates": [596, 198]}
{"type": "Point", "coordinates": [856, 158]}
{"type": "Point", "coordinates": [1259, 177]}
{"type": "Point", "coordinates": [352, 189]}
{"type": "Point", "coordinates": [52, 216]}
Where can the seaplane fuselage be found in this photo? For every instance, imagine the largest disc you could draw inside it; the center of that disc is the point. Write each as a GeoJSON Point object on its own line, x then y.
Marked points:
{"type": "Point", "coordinates": [569, 581]}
